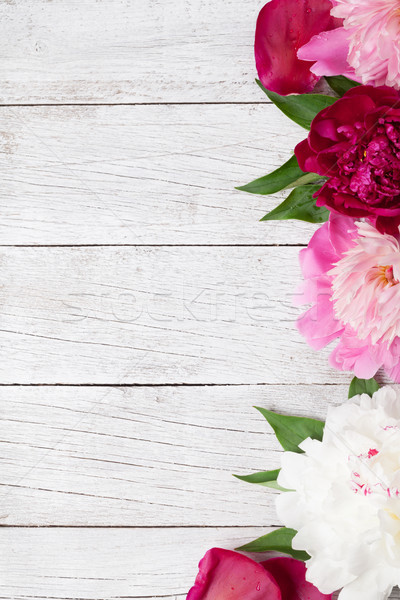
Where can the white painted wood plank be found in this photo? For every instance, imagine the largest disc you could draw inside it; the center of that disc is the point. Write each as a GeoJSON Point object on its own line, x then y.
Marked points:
{"type": "Point", "coordinates": [105, 564]}
{"type": "Point", "coordinates": [142, 174]}
{"type": "Point", "coordinates": [128, 51]}
{"type": "Point", "coordinates": [143, 456]}
{"type": "Point", "coordinates": [154, 315]}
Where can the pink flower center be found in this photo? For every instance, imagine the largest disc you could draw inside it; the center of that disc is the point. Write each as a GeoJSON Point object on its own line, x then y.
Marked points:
{"type": "Point", "coordinates": [384, 275]}
{"type": "Point", "coordinates": [366, 294]}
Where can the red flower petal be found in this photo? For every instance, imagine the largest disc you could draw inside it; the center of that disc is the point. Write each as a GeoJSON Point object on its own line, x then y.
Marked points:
{"type": "Point", "coordinates": [284, 26]}
{"type": "Point", "coordinates": [290, 575]}
{"type": "Point", "coordinates": [227, 575]}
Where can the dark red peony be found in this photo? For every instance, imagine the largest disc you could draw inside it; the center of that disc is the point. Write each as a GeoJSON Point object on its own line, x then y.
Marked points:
{"type": "Point", "coordinates": [356, 144]}
{"type": "Point", "coordinates": [227, 575]}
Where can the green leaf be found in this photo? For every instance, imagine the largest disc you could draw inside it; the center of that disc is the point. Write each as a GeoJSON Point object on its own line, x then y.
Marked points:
{"type": "Point", "coordinates": [301, 108]}
{"type": "Point", "coordinates": [363, 386]}
{"type": "Point", "coordinates": [291, 431]}
{"type": "Point", "coordinates": [266, 478]}
{"type": "Point", "coordinates": [278, 541]}
{"type": "Point", "coordinates": [288, 175]}
{"type": "Point", "coordinates": [341, 84]}
{"type": "Point", "coordinates": [300, 204]}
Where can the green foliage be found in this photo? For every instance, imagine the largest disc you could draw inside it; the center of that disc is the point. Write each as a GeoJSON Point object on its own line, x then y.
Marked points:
{"type": "Point", "coordinates": [301, 108]}
{"type": "Point", "coordinates": [363, 386]}
{"type": "Point", "coordinates": [278, 541]}
{"type": "Point", "coordinates": [266, 478]}
{"type": "Point", "coordinates": [291, 431]}
{"type": "Point", "coordinates": [300, 204]}
{"type": "Point", "coordinates": [341, 84]}
{"type": "Point", "coordinates": [288, 175]}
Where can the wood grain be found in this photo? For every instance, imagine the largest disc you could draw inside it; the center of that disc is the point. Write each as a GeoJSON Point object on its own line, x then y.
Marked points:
{"type": "Point", "coordinates": [105, 564]}
{"type": "Point", "coordinates": [154, 315]}
{"type": "Point", "coordinates": [127, 51]}
{"type": "Point", "coordinates": [139, 477]}
{"type": "Point", "coordinates": [142, 174]}
{"type": "Point", "coordinates": [152, 456]}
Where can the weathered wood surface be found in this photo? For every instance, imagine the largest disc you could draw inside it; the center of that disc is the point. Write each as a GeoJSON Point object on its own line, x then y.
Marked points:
{"type": "Point", "coordinates": [152, 456]}
{"type": "Point", "coordinates": [108, 490]}
{"type": "Point", "coordinates": [93, 564]}
{"type": "Point", "coordinates": [142, 174]}
{"type": "Point", "coordinates": [127, 51]}
{"type": "Point", "coordinates": [153, 316]}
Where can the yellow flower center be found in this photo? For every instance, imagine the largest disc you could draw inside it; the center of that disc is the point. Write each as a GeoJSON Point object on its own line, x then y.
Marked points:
{"type": "Point", "coordinates": [385, 274]}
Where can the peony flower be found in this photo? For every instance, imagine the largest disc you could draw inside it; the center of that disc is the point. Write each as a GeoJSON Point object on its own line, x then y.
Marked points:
{"type": "Point", "coordinates": [352, 275]}
{"type": "Point", "coordinates": [370, 42]}
{"type": "Point", "coordinates": [283, 26]}
{"type": "Point", "coordinates": [346, 499]}
{"type": "Point", "coordinates": [329, 53]}
{"type": "Point", "coordinates": [356, 144]}
{"type": "Point", "coordinates": [227, 575]}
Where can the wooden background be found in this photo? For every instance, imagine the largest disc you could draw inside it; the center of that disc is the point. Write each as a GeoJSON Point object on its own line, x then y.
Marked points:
{"type": "Point", "coordinates": [144, 308]}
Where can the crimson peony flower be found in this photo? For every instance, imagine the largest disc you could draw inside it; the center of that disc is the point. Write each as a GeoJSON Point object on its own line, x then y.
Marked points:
{"type": "Point", "coordinates": [356, 144]}
{"type": "Point", "coordinates": [227, 575]}
{"type": "Point", "coordinates": [283, 26]}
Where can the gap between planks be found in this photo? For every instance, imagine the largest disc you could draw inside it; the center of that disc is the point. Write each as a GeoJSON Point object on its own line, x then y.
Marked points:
{"type": "Point", "coordinates": [134, 526]}
{"type": "Point", "coordinates": [41, 104]}
{"type": "Point", "coordinates": [153, 245]}
{"type": "Point", "coordinates": [164, 385]}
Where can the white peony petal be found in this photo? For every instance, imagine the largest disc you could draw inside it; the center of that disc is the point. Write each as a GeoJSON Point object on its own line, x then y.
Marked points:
{"type": "Point", "coordinates": [372, 585]}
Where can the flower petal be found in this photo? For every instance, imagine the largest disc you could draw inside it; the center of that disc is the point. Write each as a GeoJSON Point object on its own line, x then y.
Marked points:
{"type": "Point", "coordinates": [227, 575]}
{"type": "Point", "coordinates": [328, 50]}
{"type": "Point", "coordinates": [284, 26]}
{"type": "Point", "coordinates": [290, 574]}
{"type": "Point", "coordinates": [352, 354]}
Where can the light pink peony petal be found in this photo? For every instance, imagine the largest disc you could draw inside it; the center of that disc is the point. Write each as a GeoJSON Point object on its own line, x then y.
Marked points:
{"type": "Point", "coordinates": [373, 28]}
{"type": "Point", "coordinates": [329, 51]}
{"type": "Point", "coordinates": [352, 354]}
{"type": "Point", "coordinates": [394, 373]}
{"type": "Point", "coordinates": [227, 575]}
{"type": "Point", "coordinates": [319, 325]}
{"type": "Point", "coordinates": [290, 574]}
{"type": "Point", "coordinates": [342, 231]}
{"type": "Point", "coordinates": [319, 255]}
{"type": "Point", "coordinates": [283, 26]}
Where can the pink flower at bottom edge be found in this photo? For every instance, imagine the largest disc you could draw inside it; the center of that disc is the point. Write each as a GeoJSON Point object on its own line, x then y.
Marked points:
{"type": "Point", "coordinates": [227, 575]}
{"type": "Point", "coordinates": [352, 280]}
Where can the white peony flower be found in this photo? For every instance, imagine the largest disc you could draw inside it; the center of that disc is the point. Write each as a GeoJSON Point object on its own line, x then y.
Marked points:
{"type": "Point", "coordinates": [346, 503]}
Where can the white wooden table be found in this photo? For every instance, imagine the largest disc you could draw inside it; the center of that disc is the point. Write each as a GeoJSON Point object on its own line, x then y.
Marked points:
{"type": "Point", "coordinates": [144, 308]}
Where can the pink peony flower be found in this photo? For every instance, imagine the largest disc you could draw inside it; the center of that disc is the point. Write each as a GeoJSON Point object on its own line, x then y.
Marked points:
{"type": "Point", "coordinates": [373, 27]}
{"type": "Point", "coordinates": [283, 26]}
{"type": "Point", "coordinates": [227, 575]}
{"type": "Point", "coordinates": [356, 144]}
{"type": "Point", "coordinates": [352, 276]}
{"type": "Point", "coordinates": [367, 47]}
